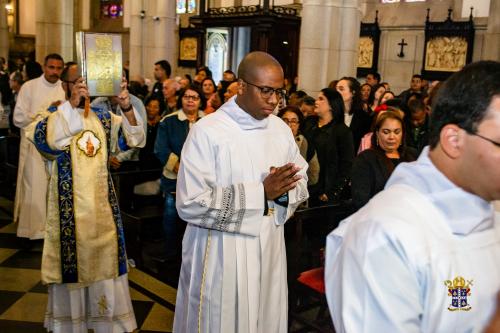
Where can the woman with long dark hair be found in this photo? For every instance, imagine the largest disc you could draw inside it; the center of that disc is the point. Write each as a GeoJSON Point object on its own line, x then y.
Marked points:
{"type": "Point", "coordinates": [333, 142]}
{"type": "Point", "coordinates": [354, 116]}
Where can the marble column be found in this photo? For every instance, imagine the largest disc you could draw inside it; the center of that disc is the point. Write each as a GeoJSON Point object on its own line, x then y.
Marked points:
{"type": "Point", "coordinates": [328, 42]}
{"type": "Point", "coordinates": [54, 29]}
{"type": "Point", "coordinates": [491, 48]}
{"type": "Point", "coordinates": [153, 35]}
{"type": "Point", "coordinates": [4, 31]}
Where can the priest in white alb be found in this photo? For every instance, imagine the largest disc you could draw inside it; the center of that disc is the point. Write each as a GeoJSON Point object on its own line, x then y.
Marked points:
{"type": "Point", "coordinates": [35, 96]}
{"type": "Point", "coordinates": [423, 255]}
{"type": "Point", "coordinates": [241, 177]}
{"type": "Point", "coordinates": [84, 261]}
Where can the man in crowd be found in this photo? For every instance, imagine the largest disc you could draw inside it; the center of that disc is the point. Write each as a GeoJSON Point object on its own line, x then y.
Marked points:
{"type": "Point", "coordinates": [232, 89]}
{"type": "Point", "coordinates": [241, 177]}
{"type": "Point", "coordinates": [428, 261]}
{"type": "Point", "coordinates": [31, 190]}
{"type": "Point", "coordinates": [373, 79]}
{"type": "Point", "coordinates": [162, 72]}
{"type": "Point", "coordinates": [417, 134]}
{"type": "Point", "coordinates": [415, 87]}
{"type": "Point", "coordinates": [170, 88]}
{"type": "Point", "coordinates": [84, 260]}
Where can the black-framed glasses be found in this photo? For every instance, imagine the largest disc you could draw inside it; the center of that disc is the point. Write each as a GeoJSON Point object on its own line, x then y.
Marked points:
{"type": "Point", "coordinates": [484, 138]}
{"type": "Point", "coordinates": [267, 92]}
{"type": "Point", "coordinates": [191, 97]}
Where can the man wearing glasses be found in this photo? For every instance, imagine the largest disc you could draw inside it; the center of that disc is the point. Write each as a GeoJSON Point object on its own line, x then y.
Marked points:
{"type": "Point", "coordinates": [84, 261]}
{"type": "Point", "coordinates": [241, 177]}
{"type": "Point", "coordinates": [422, 255]}
{"type": "Point", "coordinates": [35, 96]}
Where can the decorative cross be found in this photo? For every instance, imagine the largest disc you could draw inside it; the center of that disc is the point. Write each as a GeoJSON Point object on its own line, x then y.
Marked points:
{"type": "Point", "coordinates": [402, 44]}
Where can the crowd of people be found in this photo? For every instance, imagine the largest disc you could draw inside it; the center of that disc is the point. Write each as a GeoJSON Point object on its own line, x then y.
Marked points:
{"type": "Point", "coordinates": [219, 160]}
{"type": "Point", "coordinates": [332, 130]}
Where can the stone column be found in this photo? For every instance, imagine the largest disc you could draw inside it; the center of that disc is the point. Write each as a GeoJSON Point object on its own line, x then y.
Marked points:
{"type": "Point", "coordinates": [491, 42]}
{"type": "Point", "coordinates": [4, 31]}
{"type": "Point", "coordinates": [136, 38]}
{"type": "Point", "coordinates": [314, 45]}
{"type": "Point", "coordinates": [349, 38]}
{"type": "Point", "coordinates": [153, 36]}
{"type": "Point", "coordinates": [328, 42]}
{"type": "Point", "coordinates": [54, 29]}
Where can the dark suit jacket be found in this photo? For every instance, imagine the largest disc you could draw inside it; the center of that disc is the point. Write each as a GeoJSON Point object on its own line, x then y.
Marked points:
{"type": "Point", "coordinates": [360, 125]}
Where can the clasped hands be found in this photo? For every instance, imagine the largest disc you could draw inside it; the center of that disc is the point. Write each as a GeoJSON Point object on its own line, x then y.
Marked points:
{"type": "Point", "coordinates": [281, 180]}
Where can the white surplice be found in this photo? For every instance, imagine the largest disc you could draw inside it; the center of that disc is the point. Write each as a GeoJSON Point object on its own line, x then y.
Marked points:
{"type": "Point", "coordinates": [233, 275]}
{"type": "Point", "coordinates": [388, 265]}
{"type": "Point", "coordinates": [32, 178]}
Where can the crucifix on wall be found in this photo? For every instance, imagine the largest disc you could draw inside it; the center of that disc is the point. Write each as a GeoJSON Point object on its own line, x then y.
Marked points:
{"type": "Point", "coordinates": [402, 44]}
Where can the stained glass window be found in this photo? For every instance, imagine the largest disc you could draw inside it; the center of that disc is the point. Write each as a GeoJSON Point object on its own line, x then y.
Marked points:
{"type": "Point", "coordinates": [182, 5]}
{"type": "Point", "coordinates": [111, 9]}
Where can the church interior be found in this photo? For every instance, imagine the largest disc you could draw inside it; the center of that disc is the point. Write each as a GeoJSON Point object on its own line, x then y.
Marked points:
{"type": "Point", "coordinates": [319, 43]}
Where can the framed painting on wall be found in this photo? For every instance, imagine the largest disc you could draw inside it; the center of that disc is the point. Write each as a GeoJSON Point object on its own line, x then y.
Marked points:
{"type": "Point", "coordinates": [448, 47]}
{"type": "Point", "coordinates": [190, 47]}
{"type": "Point", "coordinates": [368, 47]}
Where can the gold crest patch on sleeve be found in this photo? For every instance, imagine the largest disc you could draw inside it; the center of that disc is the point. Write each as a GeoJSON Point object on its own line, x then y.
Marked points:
{"type": "Point", "coordinates": [459, 290]}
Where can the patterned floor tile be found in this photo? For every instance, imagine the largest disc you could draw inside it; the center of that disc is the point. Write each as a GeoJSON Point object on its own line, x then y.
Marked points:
{"type": "Point", "coordinates": [6, 253]}
{"type": "Point", "coordinates": [137, 296]}
{"type": "Point", "coordinates": [141, 311]}
{"type": "Point", "coordinates": [39, 288]}
{"type": "Point", "coordinates": [159, 319]}
{"type": "Point", "coordinates": [30, 307]}
{"type": "Point", "coordinates": [7, 298]}
{"type": "Point", "coordinates": [153, 285]}
{"type": "Point", "coordinates": [10, 228]}
{"type": "Point", "coordinates": [11, 241]}
{"type": "Point", "coordinates": [24, 259]}
{"type": "Point", "coordinates": [18, 279]}
{"type": "Point", "coordinates": [11, 326]}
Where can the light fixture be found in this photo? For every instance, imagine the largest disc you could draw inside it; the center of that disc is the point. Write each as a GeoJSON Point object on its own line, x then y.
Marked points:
{"type": "Point", "coordinates": [285, 42]}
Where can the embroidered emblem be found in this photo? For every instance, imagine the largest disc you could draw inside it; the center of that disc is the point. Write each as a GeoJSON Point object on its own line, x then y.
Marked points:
{"type": "Point", "coordinates": [103, 305]}
{"type": "Point", "coordinates": [458, 289]}
{"type": "Point", "coordinates": [88, 143]}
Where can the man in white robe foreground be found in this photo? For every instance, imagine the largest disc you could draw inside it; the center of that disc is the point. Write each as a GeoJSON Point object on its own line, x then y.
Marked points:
{"type": "Point", "coordinates": [241, 177]}
{"type": "Point", "coordinates": [84, 260]}
{"type": "Point", "coordinates": [423, 255]}
{"type": "Point", "coordinates": [32, 179]}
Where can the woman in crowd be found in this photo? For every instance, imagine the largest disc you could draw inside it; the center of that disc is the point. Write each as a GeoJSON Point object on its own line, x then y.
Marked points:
{"type": "Point", "coordinates": [375, 96]}
{"type": "Point", "coordinates": [333, 142]}
{"type": "Point", "coordinates": [172, 133]}
{"type": "Point", "coordinates": [387, 95]}
{"type": "Point", "coordinates": [209, 91]}
{"type": "Point", "coordinates": [354, 117]}
{"type": "Point", "coordinates": [293, 117]}
{"type": "Point", "coordinates": [154, 108]}
{"type": "Point", "coordinates": [366, 90]}
{"type": "Point", "coordinates": [372, 168]}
